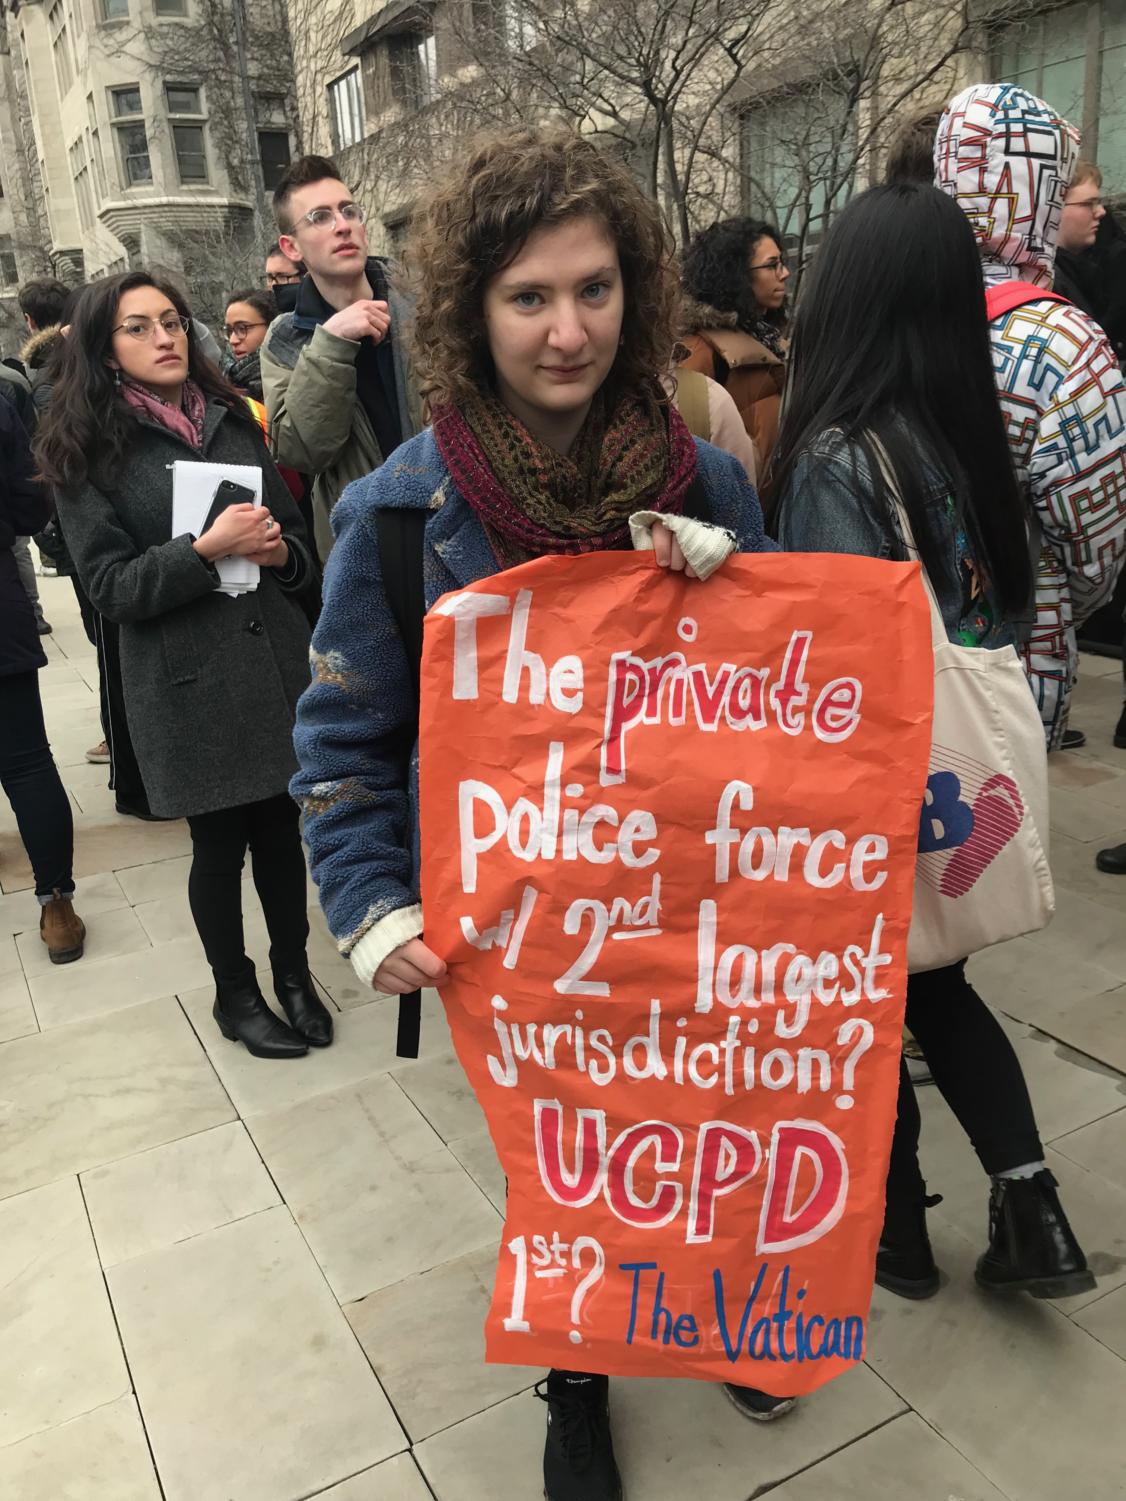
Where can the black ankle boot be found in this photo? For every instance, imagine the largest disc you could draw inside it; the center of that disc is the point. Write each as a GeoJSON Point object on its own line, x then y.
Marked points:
{"type": "Point", "coordinates": [1120, 730]}
{"type": "Point", "coordinates": [241, 1014]}
{"type": "Point", "coordinates": [1031, 1245]}
{"type": "Point", "coordinates": [905, 1263]}
{"type": "Point", "coordinates": [578, 1458]}
{"type": "Point", "coordinates": [308, 1016]}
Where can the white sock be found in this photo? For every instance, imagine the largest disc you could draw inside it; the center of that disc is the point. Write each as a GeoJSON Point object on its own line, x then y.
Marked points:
{"type": "Point", "coordinates": [1026, 1170]}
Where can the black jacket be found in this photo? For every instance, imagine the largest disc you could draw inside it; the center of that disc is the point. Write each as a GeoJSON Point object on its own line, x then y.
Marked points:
{"type": "Point", "coordinates": [1095, 280]}
{"type": "Point", "coordinates": [24, 509]}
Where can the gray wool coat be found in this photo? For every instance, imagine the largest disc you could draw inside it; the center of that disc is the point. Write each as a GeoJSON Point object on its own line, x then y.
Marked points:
{"type": "Point", "coordinates": [211, 683]}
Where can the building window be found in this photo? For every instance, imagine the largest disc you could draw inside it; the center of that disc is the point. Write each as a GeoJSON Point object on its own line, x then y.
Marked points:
{"type": "Point", "coordinates": [9, 276]}
{"type": "Point", "coordinates": [414, 70]}
{"type": "Point", "coordinates": [132, 139]}
{"type": "Point", "coordinates": [80, 172]}
{"type": "Point", "coordinates": [346, 110]}
{"type": "Point", "coordinates": [170, 7]}
{"type": "Point", "coordinates": [60, 46]}
{"type": "Point", "coordinates": [1075, 58]}
{"type": "Point", "coordinates": [115, 10]}
{"type": "Point", "coordinates": [505, 24]}
{"type": "Point", "coordinates": [799, 159]}
{"type": "Point", "coordinates": [185, 115]}
{"type": "Point", "coordinates": [273, 153]}
{"type": "Point", "coordinates": [94, 149]}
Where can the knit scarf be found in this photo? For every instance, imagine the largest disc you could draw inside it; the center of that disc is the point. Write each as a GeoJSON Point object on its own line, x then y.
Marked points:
{"type": "Point", "coordinates": [768, 333]}
{"type": "Point", "coordinates": [533, 500]}
{"type": "Point", "coordinates": [185, 421]}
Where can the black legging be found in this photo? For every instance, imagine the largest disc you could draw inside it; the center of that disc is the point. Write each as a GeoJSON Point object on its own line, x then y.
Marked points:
{"type": "Point", "coordinates": [219, 845]}
{"type": "Point", "coordinates": [32, 784]}
{"type": "Point", "coordinates": [977, 1072]}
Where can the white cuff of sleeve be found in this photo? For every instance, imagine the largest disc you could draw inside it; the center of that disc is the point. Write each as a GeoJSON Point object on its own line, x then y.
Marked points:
{"type": "Point", "coordinates": [704, 546]}
{"type": "Point", "coordinates": [388, 934]}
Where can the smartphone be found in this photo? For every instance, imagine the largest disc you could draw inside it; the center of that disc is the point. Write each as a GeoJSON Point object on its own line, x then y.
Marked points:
{"type": "Point", "coordinates": [227, 493]}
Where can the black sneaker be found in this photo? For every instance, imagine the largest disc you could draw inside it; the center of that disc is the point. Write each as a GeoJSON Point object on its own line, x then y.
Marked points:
{"type": "Point", "coordinates": [905, 1262]}
{"type": "Point", "coordinates": [1031, 1245]}
{"type": "Point", "coordinates": [578, 1458]}
{"type": "Point", "coordinates": [1073, 740]}
{"type": "Point", "coordinates": [760, 1406]}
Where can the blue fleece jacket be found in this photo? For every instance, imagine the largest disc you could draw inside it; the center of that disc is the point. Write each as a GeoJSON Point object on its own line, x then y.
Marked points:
{"type": "Point", "coordinates": [361, 816]}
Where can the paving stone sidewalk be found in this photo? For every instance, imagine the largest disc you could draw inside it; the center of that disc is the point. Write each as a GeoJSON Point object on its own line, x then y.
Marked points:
{"type": "Point", "coordinates": [229, 1280]}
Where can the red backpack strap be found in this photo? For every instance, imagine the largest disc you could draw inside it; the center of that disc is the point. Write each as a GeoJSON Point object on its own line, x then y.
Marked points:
{"type": "Point", "coordinates": [1004, 296]}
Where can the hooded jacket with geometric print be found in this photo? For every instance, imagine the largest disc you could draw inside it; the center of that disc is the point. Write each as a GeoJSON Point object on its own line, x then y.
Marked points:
{"type": "Point", "coordinates": [1007, 159]}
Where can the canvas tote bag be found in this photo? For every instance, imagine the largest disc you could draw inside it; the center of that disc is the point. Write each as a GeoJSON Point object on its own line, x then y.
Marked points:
{"type": "Point", "coordinates": [982, 874]}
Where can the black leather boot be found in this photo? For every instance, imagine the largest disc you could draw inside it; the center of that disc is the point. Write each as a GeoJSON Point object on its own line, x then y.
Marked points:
{"type": "Point", "coordinates": [308, 1015]}
{"type": "Point", "coordinates": [1031, 1245]}
{"type": "Point", "coordinates": [241, 1014]}
{"type": "Point", "coordinates": [905, 1262]}
{"type": "Point", "coordinates": [1120, 730]}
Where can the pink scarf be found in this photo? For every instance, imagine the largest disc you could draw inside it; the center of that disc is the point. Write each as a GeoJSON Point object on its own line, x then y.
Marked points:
{"type": "Point", "coordinates": [186, 421]}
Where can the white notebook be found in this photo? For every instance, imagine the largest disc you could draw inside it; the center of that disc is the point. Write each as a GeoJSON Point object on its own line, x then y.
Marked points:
{"type": "Point", "coordinates": [193, 489]}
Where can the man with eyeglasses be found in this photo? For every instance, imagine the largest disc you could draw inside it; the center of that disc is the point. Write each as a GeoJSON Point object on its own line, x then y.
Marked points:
{"type": "Point", "coordinates": [1091, 256]}
{"type": "Point", "coordinates": [336, 379]}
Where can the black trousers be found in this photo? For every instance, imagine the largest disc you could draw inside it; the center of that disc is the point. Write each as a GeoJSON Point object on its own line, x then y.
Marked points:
{"type": "Point", "coordinates": [124, 772]}
{"type": "Point", "coordinates": [33, 786]}
{"type": "Point", "coordinates": [219, 844]}
{"type": "Point", "coordinates": [976, 1071]}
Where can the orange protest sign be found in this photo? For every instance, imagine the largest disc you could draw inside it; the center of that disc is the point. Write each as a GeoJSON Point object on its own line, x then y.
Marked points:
{"type": "Point", "coordinates": [668, 849]}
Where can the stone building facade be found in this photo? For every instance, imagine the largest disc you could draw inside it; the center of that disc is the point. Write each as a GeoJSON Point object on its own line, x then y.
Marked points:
{"type": "Point", "coordinates": [141, 132]}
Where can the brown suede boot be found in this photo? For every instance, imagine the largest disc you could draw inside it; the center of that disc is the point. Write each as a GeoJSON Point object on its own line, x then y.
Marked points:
{"type": "Point", "coordinates": [62, 930]}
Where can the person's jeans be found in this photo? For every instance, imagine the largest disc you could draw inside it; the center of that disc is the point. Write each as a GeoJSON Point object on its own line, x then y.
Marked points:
{"type": "Point", "coordinates": [32, 785]}
{"type": "Point", "coordinates": [219, 845]}
{"type": "Point", "coordinates": [976, 1071]}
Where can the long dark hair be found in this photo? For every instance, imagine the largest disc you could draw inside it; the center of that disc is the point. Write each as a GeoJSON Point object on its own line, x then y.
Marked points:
{"type": "Point", "coordinates": [891, 339]}
{"type": "Point", "coordinates": [716, 270]}
{"type": "Point", "coordinates": [88, 427]}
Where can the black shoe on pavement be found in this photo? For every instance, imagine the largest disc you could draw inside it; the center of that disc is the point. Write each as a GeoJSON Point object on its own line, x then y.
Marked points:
{"type": "Point", "coordinates": [578, 1458]}
{"type": "Point", "coordinates": [1120, 730]}
{"type": "Point", "coordinates": [905, 1262]}
{"type": "Point", "coordinates": [1031, 1245]}
{"type": "Point", "coordinates": [44, 627]}
{"type": "Point", "coordinates": [307, 1013]}
{"type": "Point", "coordinates": [760, 1406]}
{"type": "Point", "coordinates": [241, 1014]}
{"type": "Point", "coordinates": [1113, 860]}
{"type": "Point", "coordinates": [133, 810]}
{"type": "Point", "coordinates": [1073, 740]}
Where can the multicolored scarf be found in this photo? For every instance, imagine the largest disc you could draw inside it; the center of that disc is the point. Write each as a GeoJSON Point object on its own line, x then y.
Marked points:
{"type": "Point", "coordinates": [185, 421]}
{"type": "Point", "coordinates": [533, 500]}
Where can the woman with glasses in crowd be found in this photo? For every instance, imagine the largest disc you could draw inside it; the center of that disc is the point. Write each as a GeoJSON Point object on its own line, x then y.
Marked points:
{"type": "Point", "coordinates": [248, 316]}
{"type": "Point", "coordinates": [734, 321]}
{"type": "Point", "coordinates": [211, 681]}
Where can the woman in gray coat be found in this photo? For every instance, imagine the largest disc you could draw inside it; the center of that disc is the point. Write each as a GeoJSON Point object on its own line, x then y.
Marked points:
{"type": "Point", "coordinates": [211, 682]}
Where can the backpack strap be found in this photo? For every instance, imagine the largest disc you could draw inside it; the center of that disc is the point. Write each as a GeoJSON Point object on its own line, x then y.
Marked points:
{"type": "Point", "coordinates": [692, 403]}
{"type": "Point", "coordinates": [1005, 296]}
{"type": "Point", "coordinates": [400, 534]}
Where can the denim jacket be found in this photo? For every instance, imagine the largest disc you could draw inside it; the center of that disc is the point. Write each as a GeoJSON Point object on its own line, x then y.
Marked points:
{"type": "Point", "coordinates": [830, 505]}
{"type": "Point", "coordinates": [361, 813]}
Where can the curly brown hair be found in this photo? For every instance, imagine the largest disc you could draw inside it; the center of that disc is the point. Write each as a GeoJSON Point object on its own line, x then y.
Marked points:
{"type": "Point", "coordinates": [477, 220]}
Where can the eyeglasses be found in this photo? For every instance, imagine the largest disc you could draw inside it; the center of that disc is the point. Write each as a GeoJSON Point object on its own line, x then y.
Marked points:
{"type": "Point", "coordinates": [239, 330]}
{"type": "Point", "coordinates": [321, 218]}
{"type": "Point", "coordinates": [282, 278]}
{"type": "Point", "coordinates": [1092, 205]}
{"type": "Point", "coordinates": [775, 265]}
{"type": "Point", "coordinates": [141, 327]}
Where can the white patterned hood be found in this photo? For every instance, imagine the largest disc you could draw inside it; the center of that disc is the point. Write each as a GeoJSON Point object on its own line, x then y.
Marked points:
{"type": "Point", "coordinates": [1007, 159]}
